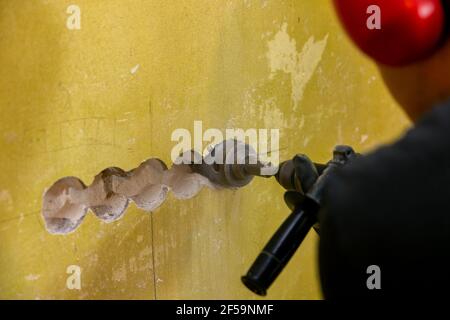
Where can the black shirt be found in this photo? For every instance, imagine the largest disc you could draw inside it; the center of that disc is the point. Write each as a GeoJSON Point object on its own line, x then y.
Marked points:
{"type": "Point", "coordinates": [391, 209]}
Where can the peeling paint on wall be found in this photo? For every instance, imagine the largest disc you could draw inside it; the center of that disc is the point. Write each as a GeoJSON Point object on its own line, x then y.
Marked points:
{"type": "Point", "coordinates": [284, 57]}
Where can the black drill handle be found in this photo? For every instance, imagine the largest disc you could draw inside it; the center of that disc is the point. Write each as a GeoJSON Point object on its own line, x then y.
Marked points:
{"type": "Point", "coordinates": [289, 236]}
{"type": "Point", "coordinates": [280, 248]}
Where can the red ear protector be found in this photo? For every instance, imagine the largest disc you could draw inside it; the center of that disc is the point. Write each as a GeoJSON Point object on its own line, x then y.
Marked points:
{"type": "Point", "coordinates": [395, 32]}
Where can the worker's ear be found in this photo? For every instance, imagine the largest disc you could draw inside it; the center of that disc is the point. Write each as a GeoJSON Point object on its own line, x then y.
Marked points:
{"type": "Point", "coordinates": [419, 87]}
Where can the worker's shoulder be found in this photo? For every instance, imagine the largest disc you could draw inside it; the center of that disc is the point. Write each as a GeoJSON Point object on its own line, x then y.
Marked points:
{"type": "Point", "coordinates": [399, 176]}
{"type": "Point", "coordinates": [391, 208]}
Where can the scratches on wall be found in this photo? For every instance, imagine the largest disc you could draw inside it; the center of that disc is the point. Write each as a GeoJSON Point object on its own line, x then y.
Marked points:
{"type": "Point", "coordinates": [283, 56]}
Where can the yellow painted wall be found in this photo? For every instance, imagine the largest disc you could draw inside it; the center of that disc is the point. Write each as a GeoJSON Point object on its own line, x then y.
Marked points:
{"type": "Point", "coordinates": [73, 102]}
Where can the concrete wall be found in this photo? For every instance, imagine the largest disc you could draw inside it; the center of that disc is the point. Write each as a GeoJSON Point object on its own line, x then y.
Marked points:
{"type": "Point", "coordinates": [74, 102]}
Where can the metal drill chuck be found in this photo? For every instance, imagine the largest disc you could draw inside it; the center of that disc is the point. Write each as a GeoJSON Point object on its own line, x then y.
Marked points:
{"type": "Point", "coordinates": [231, 164]}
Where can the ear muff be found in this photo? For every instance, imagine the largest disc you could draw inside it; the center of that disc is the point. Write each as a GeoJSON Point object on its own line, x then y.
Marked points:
{"type": "Point", "coordinates": [395, 32]}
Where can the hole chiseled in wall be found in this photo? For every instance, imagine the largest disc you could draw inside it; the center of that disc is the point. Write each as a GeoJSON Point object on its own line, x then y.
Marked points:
{"type": "Point", "coordinates": [67, 201]}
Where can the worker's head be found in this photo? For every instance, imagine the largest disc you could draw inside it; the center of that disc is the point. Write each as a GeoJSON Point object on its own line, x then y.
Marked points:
{"type": "Point", "coordinates": [410, 41]}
